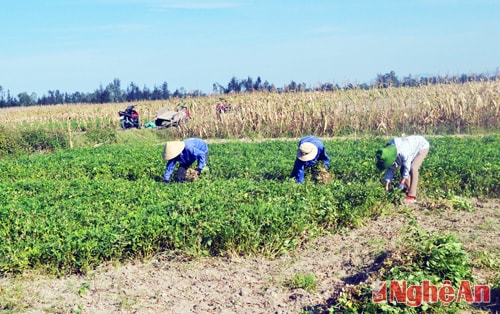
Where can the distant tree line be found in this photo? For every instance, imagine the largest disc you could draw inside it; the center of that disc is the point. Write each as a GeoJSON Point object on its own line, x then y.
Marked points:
{"type": "Point", "coordinates": [113, 92]}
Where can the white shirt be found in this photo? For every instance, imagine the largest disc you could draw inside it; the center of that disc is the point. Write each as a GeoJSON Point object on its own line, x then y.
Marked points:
{"type": "Point", "coordinates": [407, 148]}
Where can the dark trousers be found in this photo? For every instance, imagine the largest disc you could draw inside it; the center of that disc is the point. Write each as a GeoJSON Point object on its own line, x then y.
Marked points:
{"type": "Point", "coordinates": [181, 172]}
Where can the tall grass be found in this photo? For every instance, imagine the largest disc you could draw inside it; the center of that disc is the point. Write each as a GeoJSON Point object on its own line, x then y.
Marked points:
{"type": "Point", "coordinates": [436, 109]}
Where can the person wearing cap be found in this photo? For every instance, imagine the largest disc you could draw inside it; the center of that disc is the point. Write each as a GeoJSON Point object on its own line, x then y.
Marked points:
{"type": "Point", "coordinates": [408, 153]}
{"type": "Point", "coordinates": [311, 150]}
{"type": "Point", "coordinates": [185, 153]}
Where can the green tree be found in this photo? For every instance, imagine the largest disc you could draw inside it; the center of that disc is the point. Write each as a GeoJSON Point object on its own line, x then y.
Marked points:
{"type": "Point", "coordinates": [114, 91]}
{"type": "Point", "coordinates": [248, 84]}
{"type": "Point", "coordinates": [234, 85]}
{"type": "Point", "coordinates": [258, 84]}
{"type": "Point", "coordinates": [165, 93]}
{"type": "Point", "coordinates": [387, 80]}
{"type": "Point", "coordinates": [25, 99]}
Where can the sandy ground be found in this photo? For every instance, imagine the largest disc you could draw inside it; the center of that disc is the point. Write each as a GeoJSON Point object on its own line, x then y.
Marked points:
{"type": "Point", "coordinates": [166, 284]}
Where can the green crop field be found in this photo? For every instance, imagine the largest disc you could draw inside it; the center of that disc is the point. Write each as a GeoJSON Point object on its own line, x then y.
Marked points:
{"type": "Point", "coordinates": [73, 209]}
{"type": "Point", "coordinates": [77, 192]}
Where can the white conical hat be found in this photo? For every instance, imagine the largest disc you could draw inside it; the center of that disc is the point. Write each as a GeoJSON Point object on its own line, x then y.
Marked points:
{"type": "Point", "coordinates": [307, 151]}
{"type": "Point", "coordinates": [173, 149]}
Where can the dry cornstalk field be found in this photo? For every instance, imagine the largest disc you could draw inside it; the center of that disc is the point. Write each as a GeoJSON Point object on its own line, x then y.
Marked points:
{"type": "Point", "coordinates": [447, 108]}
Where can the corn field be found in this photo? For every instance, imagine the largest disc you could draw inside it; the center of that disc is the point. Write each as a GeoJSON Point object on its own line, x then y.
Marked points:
{"type": "Point", "coordinates": [435, 109]}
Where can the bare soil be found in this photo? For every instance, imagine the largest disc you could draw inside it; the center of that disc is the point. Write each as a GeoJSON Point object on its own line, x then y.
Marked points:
{"type": "Point", "coordinates": [166, 284]}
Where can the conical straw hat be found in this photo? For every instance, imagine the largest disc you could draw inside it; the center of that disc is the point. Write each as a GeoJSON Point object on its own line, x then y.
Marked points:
{"type": "Point", "coordinates": [173, 149]}
{"type": "Point", "coordinates": [307, 151]}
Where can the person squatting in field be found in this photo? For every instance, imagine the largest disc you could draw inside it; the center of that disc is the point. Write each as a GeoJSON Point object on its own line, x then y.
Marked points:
{"type": "Point", "coordinates": [185, 153]}
{"type": "Point", "coordinates": [310, 151]}
{"type": "Point", "coordinates": [408, 153]}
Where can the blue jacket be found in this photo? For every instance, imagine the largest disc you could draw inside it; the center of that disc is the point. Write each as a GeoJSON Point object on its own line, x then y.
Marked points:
{"type": "Point", "coordinates": [299, 166]}
{"type": "Point", "coordinates": [195, 150]}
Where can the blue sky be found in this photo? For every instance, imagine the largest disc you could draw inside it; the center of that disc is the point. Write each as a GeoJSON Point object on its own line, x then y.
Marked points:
{"type": "Point", "coordinates": [77, 45]}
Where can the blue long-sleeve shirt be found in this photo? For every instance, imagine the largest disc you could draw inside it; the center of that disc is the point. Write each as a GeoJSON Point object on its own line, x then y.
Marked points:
{"type": "Point", "coordinates": [195, 150]}
{"type": "Point", "coordinates": [299, 166]}
{"type": "Point", "coordinates": [407, 148]}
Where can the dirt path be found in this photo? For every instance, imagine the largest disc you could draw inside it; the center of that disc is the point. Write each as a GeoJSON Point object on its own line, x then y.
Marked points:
{"type": "Point", "coordinates": [252, 284]}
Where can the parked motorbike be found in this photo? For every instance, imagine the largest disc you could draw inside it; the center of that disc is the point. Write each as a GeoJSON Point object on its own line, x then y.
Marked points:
{"type": "Point", "coordinates": [129, 118]}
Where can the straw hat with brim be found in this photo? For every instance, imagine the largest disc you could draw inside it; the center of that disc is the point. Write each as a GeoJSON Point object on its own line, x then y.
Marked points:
{"type": "Point", "coordinates": [386, 157]}
{"type": "Point", "coordinates": [307, 151]}
{"type": "Point", "coordinates": [173, 149]}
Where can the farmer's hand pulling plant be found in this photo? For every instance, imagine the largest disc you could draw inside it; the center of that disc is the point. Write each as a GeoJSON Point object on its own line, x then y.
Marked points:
{"type": "Point", "coordinates": [311, 150]}
{"type": "Point", "coordinates": [185, 153]}
{"type": "Point", "coordinates": [405, 152]}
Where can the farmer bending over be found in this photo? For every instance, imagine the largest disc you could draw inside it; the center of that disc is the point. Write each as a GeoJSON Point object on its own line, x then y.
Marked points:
{"type": "Point", "coordinates": [185, 153]}
{"type": "Point", "coordinates": [409, 153]}
{"type": "Point", "coordinates": [311, 150]}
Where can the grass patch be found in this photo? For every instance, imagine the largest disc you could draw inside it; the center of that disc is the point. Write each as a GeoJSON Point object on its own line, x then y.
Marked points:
{"type": "Point", "coordinates": [302, 281]}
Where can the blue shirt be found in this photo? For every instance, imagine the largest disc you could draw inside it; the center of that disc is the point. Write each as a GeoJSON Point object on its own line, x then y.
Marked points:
{"type": "Point", "coordinates": [299, 166]}
{"type": "Point", "coordinates": [195, 150]}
